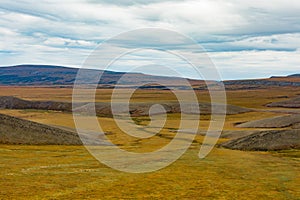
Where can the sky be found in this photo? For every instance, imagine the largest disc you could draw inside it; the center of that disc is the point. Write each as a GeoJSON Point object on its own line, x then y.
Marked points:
{"type": "Point", "coordinates": [244, 39]}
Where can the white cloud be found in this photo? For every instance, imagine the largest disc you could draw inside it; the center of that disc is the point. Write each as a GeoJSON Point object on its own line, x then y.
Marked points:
{"type": "Point", "coordinates": [56, 41]}
{"type": "Point", "coordinates": [252, 64]}
{"type": "Point", "coordinates": [240, 35]}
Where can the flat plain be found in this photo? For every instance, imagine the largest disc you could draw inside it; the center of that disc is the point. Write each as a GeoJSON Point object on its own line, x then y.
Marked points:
{"type": "Point", "coordinates": [66, 171]}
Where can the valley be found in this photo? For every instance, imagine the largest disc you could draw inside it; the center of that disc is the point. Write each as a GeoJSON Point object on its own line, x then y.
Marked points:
{"type": "Point", "coordinates": [256, 156]}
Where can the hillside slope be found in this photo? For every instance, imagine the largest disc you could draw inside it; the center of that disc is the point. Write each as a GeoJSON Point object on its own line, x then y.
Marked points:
{"type": "Point", "coordinates": [18, 131]}
{"type": "Point", "coordinates": [291, 103]}
{"type": "Point", "coordinates": [277, 81]}
{"type": "Point", "coordinates": [273, 122]}
{"type": "Point", "coordinates": [48, 75]}
{"type": "Point", "coordinates": [266, 141]}
{"type": "Point", "coordinates": [104, 108]}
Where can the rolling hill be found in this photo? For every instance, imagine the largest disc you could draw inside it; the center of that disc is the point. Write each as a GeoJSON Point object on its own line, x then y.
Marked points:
{"type": "Point", "coordinates": [48, 75]}
{"type": "Point", "coordinates": [19, 131]}
{"type": "Point", "coordinates": [280, 81]}
{"type": "Point", "coordinates": [266, 141]}
{"type": "Point", "coordinates": [273, 122]}
{"type": "Point", "coordinates": [104, 108]}
{"type": "Point", "coordinates": [291, 103]}
{"type": "Point", "coordinates": [14, 130]}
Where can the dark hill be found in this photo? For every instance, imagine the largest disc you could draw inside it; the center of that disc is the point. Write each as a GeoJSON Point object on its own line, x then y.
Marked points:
{"type": "Point", "coordinates": [47, 75]}
{"type": "Point", "coordinates": [273, 122]}
{"type": "Point", "coordinates": [104, 108]}
{"type": "Point", "coordinates": [295, 75]}
{"type": "Point", "coordinates": [18, 131]}
{"type": "Point", "coordinates": [266, 141]}
{"type": "Point", "coordinates": [290, 103]}
{"type": "Point", "coordinates": [36, 75]}
{"type": "Point", "coordinates": [10, 102]}
{"type": "Point", "coordinates": [281, 81]}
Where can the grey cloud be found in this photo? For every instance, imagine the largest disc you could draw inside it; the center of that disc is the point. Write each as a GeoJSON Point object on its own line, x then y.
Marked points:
{"type": "Point", "coordinates": [64, 32]}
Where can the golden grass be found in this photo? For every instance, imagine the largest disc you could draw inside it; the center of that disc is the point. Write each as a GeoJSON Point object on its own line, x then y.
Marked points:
{"type": "Point", "coordinates": [37, 93]}
{"type": "Point", "coordinates": [115, 134]}
{"type": "Point", "coordinates": [259, 98]}
{"type": "Point", "coordinates": [245, 98]}
{"type": "Point", "coordinates": [125, 141]}
{"type": "Point", "coordinates": [70, 172]}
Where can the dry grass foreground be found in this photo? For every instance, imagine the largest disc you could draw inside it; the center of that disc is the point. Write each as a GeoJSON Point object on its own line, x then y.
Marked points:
{"type": "Point", "coordinates": [70, 172]}
{"type": "Point", "coordinates": [66, 172]}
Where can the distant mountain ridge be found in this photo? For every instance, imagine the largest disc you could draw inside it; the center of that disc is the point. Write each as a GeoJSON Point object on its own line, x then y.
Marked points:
{"type": "Point", "coordinates": [51, 75]}
{"type": "Point", "coordinates": [268, 82]}
{"type": "Point", "coordinates": [291, 76]}
{"type": "Point", "coordinates": [41, 75]}
{"type": "Point", "coordinates": [281, 81]}
{"type": "Point", "coordinates": [295, 75]}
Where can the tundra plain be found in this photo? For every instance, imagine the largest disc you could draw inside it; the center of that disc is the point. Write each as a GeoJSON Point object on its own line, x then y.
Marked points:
{"type": "Point", "coordinates": [69, 171]}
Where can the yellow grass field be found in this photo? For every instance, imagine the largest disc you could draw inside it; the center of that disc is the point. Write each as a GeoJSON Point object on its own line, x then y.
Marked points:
{"type": "Point", "coordinates": [244, 98]}
{"type": "Point", "coordinates": [70, 172]}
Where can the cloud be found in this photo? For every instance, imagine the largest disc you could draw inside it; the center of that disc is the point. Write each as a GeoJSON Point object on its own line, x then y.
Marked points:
{"type": "Point", "coordinates": [233, 31]}
{"type": "Point", "coordinates": [279, 42]}
{"type": "Point", "coordinates": [253, 64]}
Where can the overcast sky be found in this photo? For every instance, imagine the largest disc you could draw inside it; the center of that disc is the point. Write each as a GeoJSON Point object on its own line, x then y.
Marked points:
{"type": "Point", "coordinates": [244, 39]}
